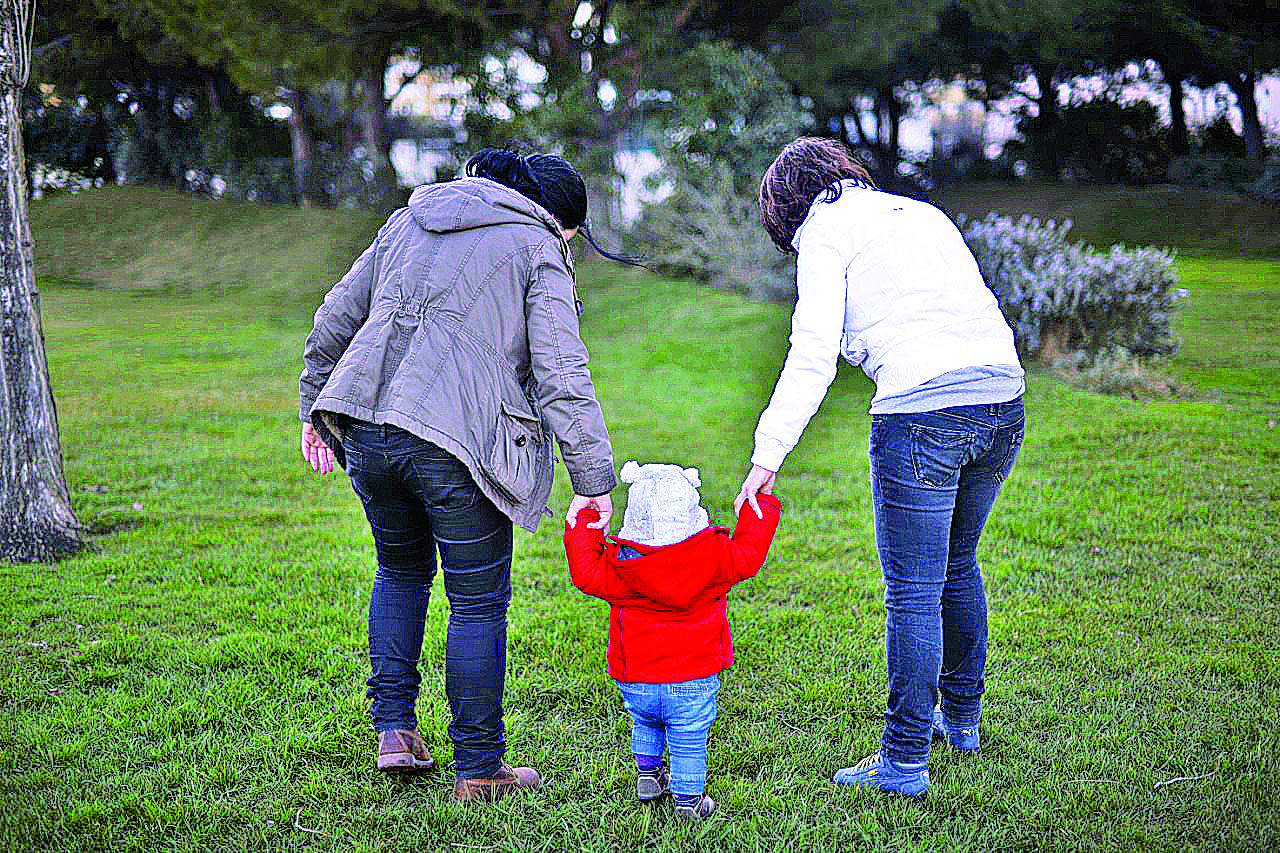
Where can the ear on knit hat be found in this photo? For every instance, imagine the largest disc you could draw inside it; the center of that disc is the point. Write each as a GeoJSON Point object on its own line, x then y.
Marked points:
{"type": "Point", "coordinates": [630, 472]}
{"type": "Point", "coordinates": [691, 474]}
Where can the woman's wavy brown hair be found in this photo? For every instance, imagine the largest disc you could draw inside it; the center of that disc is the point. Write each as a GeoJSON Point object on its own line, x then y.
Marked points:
{"type": "Point", "coordinates": [802, 171]}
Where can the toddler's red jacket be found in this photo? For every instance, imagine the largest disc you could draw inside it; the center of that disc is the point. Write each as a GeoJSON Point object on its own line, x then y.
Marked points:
{"type": "Point", "coordinates": [669, 620]}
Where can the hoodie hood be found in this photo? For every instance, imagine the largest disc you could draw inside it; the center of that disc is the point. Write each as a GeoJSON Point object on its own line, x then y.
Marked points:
{"type": "Point", "coordinates": [675, 577]}
{"type": "Point", "coordinates": [475, 203]}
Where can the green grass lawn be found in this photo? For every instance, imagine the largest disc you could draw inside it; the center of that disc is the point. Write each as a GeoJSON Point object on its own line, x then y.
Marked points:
{"type": "Point", "coordinates": [197, 681]}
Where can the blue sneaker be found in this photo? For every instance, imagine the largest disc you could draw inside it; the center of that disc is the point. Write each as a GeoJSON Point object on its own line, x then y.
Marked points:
{"type": "Point", "coordinates": [875, 771]}
{"type": "Point", "coordinates": [962, 738]}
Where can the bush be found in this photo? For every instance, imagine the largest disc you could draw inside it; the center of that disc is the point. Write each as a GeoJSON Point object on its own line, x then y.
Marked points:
{"type": "Point", "coordinates": [732, 115]}
{"type": "Point", "coordinates": [1219, 139]}
{"type": "Point", "coordinates": [1103, 141]}
{"type": "Point", "coordinates": [1213, 172]}
{"type": "Point", "coordinates": [715, 235]}
{"type": "Point", "coordinates": [1067, 301]}
{"type": "Point", "coordinates": [1267, 187]}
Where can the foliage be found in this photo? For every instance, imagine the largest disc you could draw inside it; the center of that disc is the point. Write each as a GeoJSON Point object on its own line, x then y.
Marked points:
{"type": "Point", "coordinates": [66, 135]}
{"type": "Point", "coordinates": [197, 683]}
{"type": "Point", "coordinates": [1065, 298]}
{"type": "Point", "coordinates": [1267, 187]}
{"type": "Point", "coordinates": [713, 232]}
{"type": "Point", "coordinates": [1219, 139]}
{"type": "Point", "coordinates": [729, 107]}
{"type": "Point", "coordinates": [730, 116]}
{"type": "Point", "coordinates": [1218, 172]}
{"type": "Point", "coordinates": [1119, 374]}
{"type": "Point", "coordinates": [51, 179]}
{"type": "Point", "coordinates": [1103, 141]}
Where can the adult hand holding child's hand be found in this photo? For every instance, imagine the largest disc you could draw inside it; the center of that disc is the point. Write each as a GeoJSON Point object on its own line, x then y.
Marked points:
{"type": "Point", "coordinates": [759, 481]}
{"type": "Point", "coordinates": [602, 504]}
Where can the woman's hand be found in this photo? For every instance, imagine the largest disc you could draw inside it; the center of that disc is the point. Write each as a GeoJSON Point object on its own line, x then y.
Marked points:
{"type": "Point", "coordinates": [602, 504]}
{"type": "Point", "coordinates": [316, 453]}
{"type": "Point", "coordinates": [758, 481]}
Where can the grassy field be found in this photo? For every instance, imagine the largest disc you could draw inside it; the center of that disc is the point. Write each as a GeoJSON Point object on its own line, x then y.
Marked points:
{"type": "Point", "coordinates": [196, 683]}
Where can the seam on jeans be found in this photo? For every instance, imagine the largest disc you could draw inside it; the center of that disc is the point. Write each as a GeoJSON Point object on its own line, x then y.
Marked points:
{"type": "Point", "coordinates": [475, 490]}
{"type": "Point", "coordinates": [1010, 455]}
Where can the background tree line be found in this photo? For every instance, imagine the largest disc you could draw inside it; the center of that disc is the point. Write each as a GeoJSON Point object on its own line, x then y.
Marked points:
{"type": "Point", "coordinates": [161, 89]}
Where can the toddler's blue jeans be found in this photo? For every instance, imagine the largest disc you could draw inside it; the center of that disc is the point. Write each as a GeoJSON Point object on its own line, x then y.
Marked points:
{"type": "Point", "coordinates": [677, 716]}
{"type": "Point", "coordinates": [934, 478]}
{"type": "Point", "coordinates": [418, 499]}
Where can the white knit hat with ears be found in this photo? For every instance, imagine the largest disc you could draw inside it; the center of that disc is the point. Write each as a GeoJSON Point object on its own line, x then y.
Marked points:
{"type": "Point", "coordinates": [663, 504]}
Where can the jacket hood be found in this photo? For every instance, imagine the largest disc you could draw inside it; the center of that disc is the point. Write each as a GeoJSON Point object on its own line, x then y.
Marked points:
{"type": "Point", "coordinates": [672, 576]}
{"type": "Point", "coordinates": [475, 203]}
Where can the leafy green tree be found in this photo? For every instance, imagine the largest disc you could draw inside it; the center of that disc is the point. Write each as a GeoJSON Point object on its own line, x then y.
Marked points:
{"type": "Point", "coordinates": [730, 114]}
{"type": "Point", "coordinates": [1239, 41]}
{"type": "Point", "coordinates": [127, 91]}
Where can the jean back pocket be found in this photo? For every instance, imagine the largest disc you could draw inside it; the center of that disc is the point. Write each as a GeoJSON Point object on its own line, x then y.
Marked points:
{"type": "Point", "coordinates": [937, 455]}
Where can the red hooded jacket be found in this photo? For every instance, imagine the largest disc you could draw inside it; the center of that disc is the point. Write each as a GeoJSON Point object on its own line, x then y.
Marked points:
{"type": "Point", "coordinates": [669, 620]}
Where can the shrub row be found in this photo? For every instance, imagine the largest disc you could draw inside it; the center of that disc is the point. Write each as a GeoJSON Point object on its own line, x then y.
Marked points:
{"type": "Point", "coordinates": [1068, 300]}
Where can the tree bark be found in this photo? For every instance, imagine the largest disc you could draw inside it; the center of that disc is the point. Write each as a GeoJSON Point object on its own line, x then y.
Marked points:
{"type": "Point", "coordinates": [1180, 142]}
{"type": "Point", "coordinates": [303, 146]}
{"type": "Point", "coordinates": [37, 522]}
{"type": "Point", "coordinates": [1243, 85]}
{"type": "Point", "coordinates": [1046, 142]}
{"type": "Point", "coordinates": [373, 131]}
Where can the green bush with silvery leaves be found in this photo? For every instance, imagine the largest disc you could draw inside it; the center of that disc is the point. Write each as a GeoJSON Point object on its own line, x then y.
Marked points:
{"type": "Point", "coordinates": [730, 114]}
{"type": "Point", "coordinates": [1069, 302]}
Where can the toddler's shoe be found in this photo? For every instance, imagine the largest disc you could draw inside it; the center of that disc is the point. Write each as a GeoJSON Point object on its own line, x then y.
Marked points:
{"type": "Point", "coordinates": [695, 809]}
{"type": "Point", "coordinates": [963, 738]}
{"type": "Point", "coordinates": [651, 784]}
{"type": "Point", "coordinates": [876, 771]}
{"type": "Point", "coordinates": [402, 751]}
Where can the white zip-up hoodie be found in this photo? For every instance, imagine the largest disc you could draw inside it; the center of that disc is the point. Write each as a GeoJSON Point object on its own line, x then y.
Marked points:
{"type": "Point", "coordinates": [887, 282]}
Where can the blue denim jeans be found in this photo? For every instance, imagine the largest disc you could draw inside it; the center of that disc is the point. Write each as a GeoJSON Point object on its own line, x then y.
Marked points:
{"type": "Point", "coordinates": [934, 478]}
{"type": "Point", "coordinates": [676, 716]}
{"type": "Point", "coordinates": [420, 499]}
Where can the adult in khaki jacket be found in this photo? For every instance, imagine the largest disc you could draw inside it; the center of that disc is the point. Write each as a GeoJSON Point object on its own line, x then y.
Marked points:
{"type": "Point", "coordinates": [436, 373]}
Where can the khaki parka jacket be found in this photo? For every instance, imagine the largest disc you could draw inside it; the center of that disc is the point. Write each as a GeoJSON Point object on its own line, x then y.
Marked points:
{"type": "Point", "coordinates": [459, 324]}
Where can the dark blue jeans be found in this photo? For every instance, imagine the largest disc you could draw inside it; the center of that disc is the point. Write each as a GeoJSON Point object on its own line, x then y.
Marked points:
{"type": "Point", "coordinates": [934, 478]}
{"type": "Point", "coordinates": [418, 499]}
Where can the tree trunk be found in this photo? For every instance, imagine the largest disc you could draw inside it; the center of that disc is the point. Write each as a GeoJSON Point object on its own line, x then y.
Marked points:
{"type": "Point", "coordinates": [1045, 153]}
{"type": "Point", "coordinates": [1243, 85]}
{"type": "Point", "coordinates": [303, 145]}
{"type": "Point", "coordinates": [893, 113]}
{"type": "Point", "coordinates": [373, 132]}
{"type": "Point", "coordinates": [1180, 141]}
{"type": "Point", "coordinates": [37, 522]}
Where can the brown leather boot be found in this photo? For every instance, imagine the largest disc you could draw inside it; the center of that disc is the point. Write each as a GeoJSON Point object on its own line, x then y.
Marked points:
{"type": "Point", "coordinates": [402, 751]}
{"type": "Point", "coordinates": [508, 779]}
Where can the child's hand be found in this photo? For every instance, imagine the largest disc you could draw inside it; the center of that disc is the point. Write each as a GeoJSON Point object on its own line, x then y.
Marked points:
{"type": "Point", "coordinates": [758, 481]}
{"type": "Point", "coordinates": [602, 504]}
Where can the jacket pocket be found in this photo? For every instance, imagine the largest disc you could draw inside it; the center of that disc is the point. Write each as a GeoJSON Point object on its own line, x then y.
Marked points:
{"type": "Point", "coordinates": [511, 461]}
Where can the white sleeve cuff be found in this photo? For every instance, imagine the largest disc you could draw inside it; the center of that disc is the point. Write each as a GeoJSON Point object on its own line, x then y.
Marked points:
{"type": "Point", "coordinates": [769, 453]}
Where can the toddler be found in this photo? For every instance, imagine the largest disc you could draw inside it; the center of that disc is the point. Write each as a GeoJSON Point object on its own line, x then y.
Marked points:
{"type": "Point", "coordinates": [666, 575]}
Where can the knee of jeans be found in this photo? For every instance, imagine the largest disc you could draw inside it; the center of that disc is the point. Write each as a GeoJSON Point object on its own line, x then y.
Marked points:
{"type": "Point", "coordinates": [481, 595]}
{"type": "Point", "coordinates": [922, 598]}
